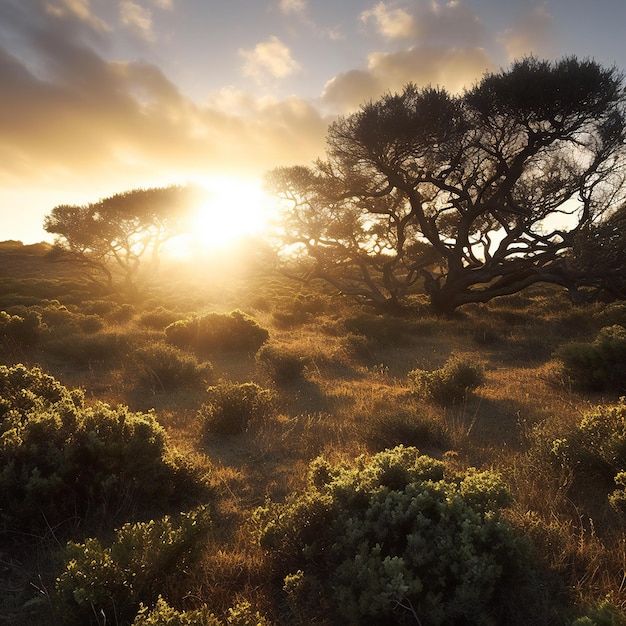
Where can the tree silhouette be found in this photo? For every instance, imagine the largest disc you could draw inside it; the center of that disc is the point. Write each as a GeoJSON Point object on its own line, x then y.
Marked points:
{"type": "Point", "coordinates": [125, 233]}
{"type": "Point", "coordinates": [472, 196]}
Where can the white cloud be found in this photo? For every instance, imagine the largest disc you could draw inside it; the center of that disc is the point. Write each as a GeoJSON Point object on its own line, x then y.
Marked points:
{"type": "Point", "coordinates": [391, 23]}
{"type": "Point", "coordinates": [164, 4]}
{"type": "Point", "coordinates": [138, 19]}
{"type": "Point", "coordinates": [292, 6]}
{"type": "Point", "coordinates": [271, 57]}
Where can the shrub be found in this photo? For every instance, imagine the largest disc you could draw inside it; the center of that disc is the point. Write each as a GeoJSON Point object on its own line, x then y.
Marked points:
{"type": "Point", "coordinates": [162, 367]}
{"type": "Point", "coordinates": [163, 614]}
{"type": "Point", "coordinates": [159, 318]}
{"type": "Point", "coordinates": [598, 365]}
{"type": "Point", "coordinates": [232, 407]}
{"type": "Point", "coordinates": [215, 331]}
{"type": "Point", "coordinates": [112, 581]}
{"type": "Point", "coordinates": [103, 348]}
{"type": "Point", "coordinates": [449, 384]}
{"type": "Point", "coordinates": [383, 329]}
{"type": "Point", "coordinates": [597, 445]}
{"type": "Point", "coordinates": [23, 329]}
{"type": "Point", "coordinates": [61, 461]}
{"type": "Point", "coordinates": [390, 539]}
{"type": "Point", "coordinates": [282, 364]}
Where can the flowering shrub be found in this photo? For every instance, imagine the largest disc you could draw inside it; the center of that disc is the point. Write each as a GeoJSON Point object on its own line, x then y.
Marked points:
{"type": "Point", "coordinates": [392, 540]}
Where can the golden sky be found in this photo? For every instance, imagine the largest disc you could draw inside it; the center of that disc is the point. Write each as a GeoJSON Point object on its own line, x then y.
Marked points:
{"type": "Point", "coordinates": [103, 96]}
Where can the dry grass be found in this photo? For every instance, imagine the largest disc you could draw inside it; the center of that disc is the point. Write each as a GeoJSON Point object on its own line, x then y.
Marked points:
{"type": "Point", "coordinates": [353, 398]}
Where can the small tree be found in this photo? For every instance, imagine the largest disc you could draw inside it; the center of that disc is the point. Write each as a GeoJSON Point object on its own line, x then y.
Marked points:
{"type": "Point", "coordinates": [474, 196]}
{"type": "Point", "coordinates": [127, 231]}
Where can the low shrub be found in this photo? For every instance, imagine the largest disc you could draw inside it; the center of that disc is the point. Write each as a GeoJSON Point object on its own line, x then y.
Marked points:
{"type": "Point", "coordinates": [391, 540]}
{"type": "Point", "coordinates": [232, 407]}
{"type": "Point", "coordinates": [449, 384]}
{"type": "Point", "coordinates": [110, 583]}
{"type": "Point", "coordinates": [102, 347]}
{"type": "Point", "coordinates": [162, 614]}
{"type": "Point", "coordinates": [159, 318]}
{"type": "Point", "coordinates": [598, 365]}
{"type": "Point", "coordinates": [64, 462]}
{"type": "Point", "coordinates": [162, 367]}
{"type": "Point", "coordinates": [383, 329]}
{"type": "Point", "coordinates": [282, 364]}
{"type": "Point", "coordinates": [23, 329]}
{"type": "Point", "coordinates": [215, 331]}
{"type": "Point", "coordinates": [596, 446]}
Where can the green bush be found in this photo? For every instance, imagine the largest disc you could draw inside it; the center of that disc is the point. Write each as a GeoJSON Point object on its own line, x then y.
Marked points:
{"type": "Point", "coordinates": [215, 331]}
{"type": "Point", "coordinates": [23, 329]}
{"type": "Point", "coordinates": [392, 540]}
{"type": "Point", "coordinates": [282, 364]}
{"type": "Point", "coordinates": [162, 614]}
{"type": "Point", "coordinates": [596, 446]}
{"type": "Point", "coordinates": [232, 407]}
{"type": "Point", "coordinates": [598, 365]}
{"type": "Point", "coordinates": [162, 367]}
{"type": "Point", "coordinates": [111, 582]}
{"type": "Point", "coordinates": [383, 329]}
{"type": "Point", "coordinates": [449, 384]}
{"type": "Point", "coordinates": [64, 462]}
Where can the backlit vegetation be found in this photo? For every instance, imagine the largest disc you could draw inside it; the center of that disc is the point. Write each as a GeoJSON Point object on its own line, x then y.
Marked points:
{"type": "Point", "coordinates": [251, 451]}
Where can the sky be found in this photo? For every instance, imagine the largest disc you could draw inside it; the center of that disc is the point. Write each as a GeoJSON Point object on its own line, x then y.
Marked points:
{"type": "Point", "coordinates": [99, 97]}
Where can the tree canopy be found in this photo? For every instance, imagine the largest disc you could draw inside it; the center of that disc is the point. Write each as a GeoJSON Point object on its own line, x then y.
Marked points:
{"type": "Point", "coordinates": [124, 233]}
{"type": "Point", "coordinates": [472, 196]}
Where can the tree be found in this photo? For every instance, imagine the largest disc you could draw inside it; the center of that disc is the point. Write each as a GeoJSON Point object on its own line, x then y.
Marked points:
{"type": "Point", "coordinates": [122, 231]}
{"type": "Point", "coordinates": [474, 196]}
{"type": "Point", "coordinates": [599, 256]}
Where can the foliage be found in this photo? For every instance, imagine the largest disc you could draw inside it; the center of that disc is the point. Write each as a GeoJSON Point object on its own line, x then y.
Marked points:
{"type": "Point", "coordinates": [103, 347]}
{"type": "Point", "coordinates": [159, 318]}
{"type": "Point", "coordinates": [23, 329]}
{"type": "Point", "coordinates": [599, 252]}
{"type": "Point", "coordinates": [218, 331]}
{"type": "Point", "coordinates": [232, 407]}
{"type": "Point", "coordinates": [597, 445]}
{"type": "Point", "coordinates": [392, 540]}
{"type": "Point", "coordinates": [163, 614]}
{"type": "Point", "coordinates": [121, 232]}
{"type": "Point", "coordinates": [62, 461]}
{"type": "Point", "coordinates": [113, 581]}
{"type": "Point", "coordinates": [598, 365]}
{"type": "Point", "coordinates": [449, 384]}
{"type": "Point", "coordinates": [282, 364]}
{"type": "Point", "coordinates": [416, 185]}
{"type": "Point", "coordinates": [240, 615]}
{"type": "Point", "coordinates": [162, 367]}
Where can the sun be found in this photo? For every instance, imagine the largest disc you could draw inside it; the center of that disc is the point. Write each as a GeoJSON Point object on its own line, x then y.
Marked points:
{"type": "Point", "coordinates": [229, 211]}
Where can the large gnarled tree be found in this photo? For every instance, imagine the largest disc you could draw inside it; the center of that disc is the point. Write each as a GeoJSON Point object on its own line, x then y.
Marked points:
{"type": "Point", "coordinates": [124, 234]}
{"type": "Point", "coordinates": [474, 196]}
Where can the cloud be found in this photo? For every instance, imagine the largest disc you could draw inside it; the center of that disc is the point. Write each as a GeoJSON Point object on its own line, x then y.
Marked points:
{"type": "Point", "coordinates": [453, 69]}
{"type": "Point", "coordinates": [82, 121]}
{"type": "Point", "coordinates": [292, 6]}
{"type": "Point", "coordinates": [271, 57]}
{"type": "Point", "coordinates": [138, 19]}
{"type": "Point", "coordinates": [532, 34]}
{"type": "Point", "coordinates": [80, 9]}
{"type": "Point", "coordinates": [391, 23]}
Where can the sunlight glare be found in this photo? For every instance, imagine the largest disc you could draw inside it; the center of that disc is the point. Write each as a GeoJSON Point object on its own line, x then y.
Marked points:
{"type": "Point", "coordinates": [229, 211]}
